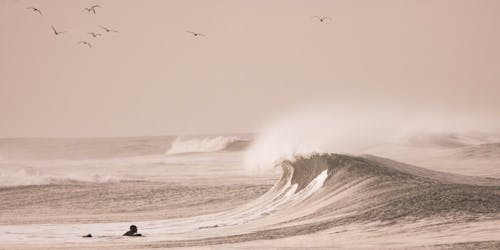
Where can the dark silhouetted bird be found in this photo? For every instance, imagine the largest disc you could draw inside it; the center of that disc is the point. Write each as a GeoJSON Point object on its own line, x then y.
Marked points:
{"type": "Point", "coordinates": [95, 34]}
{"type": "Point", "coordinates": [85, 43]}
{"type": "Point", "coordinates": [57, 32]}
{"type": "Point", "coordinates": [194, 33]}
{"type": "Point", "coordinates": [108, 30]}
{"type": "Point", "coordinates": [91, 9]}
{"type": "Point", "coordinates": [36, 10]}
{"type": "Point", "coordinates": [322, 19]}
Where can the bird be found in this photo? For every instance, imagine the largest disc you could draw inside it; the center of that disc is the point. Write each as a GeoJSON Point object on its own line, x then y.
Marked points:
{"type": "Point", "coordinates": [57, 32]}
{"type": "Point", "coordinates": [95, 34]}
{"type": "Point", "coordinates": [86, 43]}
{"type": "Point", "coordinates": [108, 30]}
{"type": "Point", "coordinates": [36, 10]}
{"type": "Point", "coordinates": [324, 18]}
{"type": "Point", "coordinates": [92, 8]}
{"type": "Point", "coordinates": [194, 33]}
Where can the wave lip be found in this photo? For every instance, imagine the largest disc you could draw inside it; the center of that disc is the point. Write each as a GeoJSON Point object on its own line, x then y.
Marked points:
{"type": "Point", "coordinates": [206, 145]}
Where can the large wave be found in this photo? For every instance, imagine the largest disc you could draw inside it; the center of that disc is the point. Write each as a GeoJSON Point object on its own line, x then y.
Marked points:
{"type": "Point", "coordinates": [206, 144]}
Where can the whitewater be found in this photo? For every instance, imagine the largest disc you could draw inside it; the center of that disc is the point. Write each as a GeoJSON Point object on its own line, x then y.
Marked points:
{"type": "Point", "coordinates": [441, 190]}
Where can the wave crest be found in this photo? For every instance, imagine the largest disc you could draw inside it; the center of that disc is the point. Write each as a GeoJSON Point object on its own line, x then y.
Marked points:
{"type": "Point", "coordinates": [30, 176]}
{"type": "Point", "coordinates": [205, 145]}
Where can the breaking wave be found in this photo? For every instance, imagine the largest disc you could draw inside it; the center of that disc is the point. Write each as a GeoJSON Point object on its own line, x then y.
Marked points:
{"type": "Point", "coordinates": [27, 176]}
{"type": "Point", "coordinates": [362, 182]}
{"type": "Point", "coordinates": [206, 145]}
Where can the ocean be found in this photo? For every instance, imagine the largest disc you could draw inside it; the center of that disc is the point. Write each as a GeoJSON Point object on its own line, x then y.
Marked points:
{"type": "Point", "coordinates": [202, 192]}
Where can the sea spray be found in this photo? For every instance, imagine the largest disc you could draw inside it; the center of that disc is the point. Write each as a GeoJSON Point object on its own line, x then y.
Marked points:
{"type": "Point", "coordinates": [353, 129]}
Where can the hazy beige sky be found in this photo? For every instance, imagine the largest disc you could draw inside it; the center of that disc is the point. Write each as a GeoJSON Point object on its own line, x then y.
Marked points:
{"type": "Point", "coordinates": [259, 59]}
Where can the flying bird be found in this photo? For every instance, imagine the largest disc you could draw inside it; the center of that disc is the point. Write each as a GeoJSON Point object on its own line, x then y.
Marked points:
{"type": "Point", "coordinates": [92, 8]}
{"type": "Point", "coordinates": [36, 10]}
{"type": "Point", "coordinates": [108, 30]}
{"type": "Point", "coordinates": [57, 32]}
{"type": "Point", "coordinates": [194, 33]}
{"type": "Point", "coordinates": [85, 43]}
{"type": "Point", "coordinates": [95, 34]}
{"type": "Point", "coordinates": [322, 18]}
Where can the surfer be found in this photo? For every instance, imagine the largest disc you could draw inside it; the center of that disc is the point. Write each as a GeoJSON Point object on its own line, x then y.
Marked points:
{"type": "Point", "coordinates": [132, 231]}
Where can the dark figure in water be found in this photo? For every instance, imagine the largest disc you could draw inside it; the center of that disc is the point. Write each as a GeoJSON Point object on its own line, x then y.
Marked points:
{"type": "Point", "coordinates": [132, 231]}
{"type": "Point", "coordinates": [87, 236]}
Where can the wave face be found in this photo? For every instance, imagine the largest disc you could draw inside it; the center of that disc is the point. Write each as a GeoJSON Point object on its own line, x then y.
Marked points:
{"type": "Point", "coordinates": [381, 189]}
{"type": "Point", "coordinates": [206, 145]}
{"type": "Point", "coordinates": [325, 193]}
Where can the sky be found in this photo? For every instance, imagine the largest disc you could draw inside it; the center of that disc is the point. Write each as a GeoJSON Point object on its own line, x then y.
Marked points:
{"type": "Point", "coordinates": [258, 60]}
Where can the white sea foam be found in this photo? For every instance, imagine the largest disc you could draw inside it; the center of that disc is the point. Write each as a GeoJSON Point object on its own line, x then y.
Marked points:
{"type": "Point", "coordinates": [285, 197]}
{"type": "Point", "coordinates": [22, 172]}
{"type": "Point", "coordinates": [201, 145]}
{"type": "Point", "coordinates": [25, 176]}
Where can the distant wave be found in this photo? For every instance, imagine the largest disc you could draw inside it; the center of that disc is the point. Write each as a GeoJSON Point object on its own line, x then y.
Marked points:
{"type": "Point", "coordinates": [206, 144]}
{"type": "Point", "coordinates": [27, 176]}
{"type": "Point", "coordinates": [482, 152]}
{"type": "Point", "coordinates": [448, 140]}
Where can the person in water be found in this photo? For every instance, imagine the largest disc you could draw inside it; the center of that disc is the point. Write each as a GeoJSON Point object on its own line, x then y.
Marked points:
{"type": "Point", "coordinates": [132, 231]}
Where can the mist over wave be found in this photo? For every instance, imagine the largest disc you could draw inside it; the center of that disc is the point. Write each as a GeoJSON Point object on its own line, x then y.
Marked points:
{"type": "Point", "coordinates": [348, 129]}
